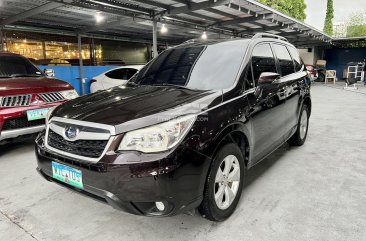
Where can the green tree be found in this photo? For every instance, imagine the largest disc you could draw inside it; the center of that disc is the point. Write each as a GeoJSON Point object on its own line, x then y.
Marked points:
{"type": "Point", "coordinates": [293, 8]}
{"type": "Point", "coordinates": [356, 24]}
{"type": "Point", "coordinates": [328, 24]}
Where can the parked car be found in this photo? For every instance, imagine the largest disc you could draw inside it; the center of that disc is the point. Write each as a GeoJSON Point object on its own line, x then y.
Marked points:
{"type": "Point", "coordinates": [313, 73]}
{"type": "Point", "coordinates": [113, 77]}
{"type": "Point", "coordinates": [183, 131]}
{"type": "Point", "coordinates": [26, 95]}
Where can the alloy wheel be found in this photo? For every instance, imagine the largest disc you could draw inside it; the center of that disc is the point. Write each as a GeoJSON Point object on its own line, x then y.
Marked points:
{"type": "Point", "coordinates": [227, 182]}
{"type": "Point", "coordinates": [303, 124]}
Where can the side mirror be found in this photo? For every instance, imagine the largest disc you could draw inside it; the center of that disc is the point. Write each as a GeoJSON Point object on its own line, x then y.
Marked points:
{"type": "Point", "coordinates": [267, 78]}
{"type": "Point", "coordinates": [49, 72]}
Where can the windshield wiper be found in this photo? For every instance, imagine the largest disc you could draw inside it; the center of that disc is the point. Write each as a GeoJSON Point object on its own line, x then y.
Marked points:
{"type": "Point", "coordinates": [25, 75]}
{"type": "Point", "coordinates": [170, 85]}
{"type": "Point", "coordinates": [131, 84]}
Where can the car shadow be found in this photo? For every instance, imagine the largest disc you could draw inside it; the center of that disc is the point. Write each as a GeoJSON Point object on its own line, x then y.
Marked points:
{"type": "Point", "coordinates": [262, 167]}
{"type": "Point", "coordinates": [14, 147]}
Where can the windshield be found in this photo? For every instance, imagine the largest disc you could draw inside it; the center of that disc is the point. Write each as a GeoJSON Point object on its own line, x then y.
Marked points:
{"type": "Point", "coordinates": [15, 66]}
{"type": "Point", "coordinates": [196, 67]}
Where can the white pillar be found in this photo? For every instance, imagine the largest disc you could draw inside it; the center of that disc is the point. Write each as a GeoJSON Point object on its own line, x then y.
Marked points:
{"type": "Point", "coordinates": [81, 66]}
{"type": "Point", "coordinates": [155, 38]}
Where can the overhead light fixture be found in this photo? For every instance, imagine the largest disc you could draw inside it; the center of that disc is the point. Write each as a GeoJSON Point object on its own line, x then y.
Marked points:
{"type": "Point", "coordinates": [98, 17]}
{"type": "Point", "coordinates": [204, 35]}
{"type": "Point", "coordinates": [163, 29]}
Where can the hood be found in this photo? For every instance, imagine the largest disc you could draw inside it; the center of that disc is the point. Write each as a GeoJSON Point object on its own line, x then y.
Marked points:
{"type": "Point", "coordinates": [132, 104]}
{"type": "Point", "coordinates": [26, 85]}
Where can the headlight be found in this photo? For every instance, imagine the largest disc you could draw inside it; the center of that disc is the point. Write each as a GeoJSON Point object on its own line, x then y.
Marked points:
{"type": "Point", "coordinates": [69, 94]}
{"type": "Point", "coordinates": [157, 138]}
{"type": "Point", "coordinates": [49, 113]}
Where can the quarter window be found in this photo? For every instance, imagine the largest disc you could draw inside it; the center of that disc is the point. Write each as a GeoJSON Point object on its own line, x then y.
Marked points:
{"type": "Point", "coordinates": [284, 59]}
{"type": "Point", "coordinates": [262, 61]}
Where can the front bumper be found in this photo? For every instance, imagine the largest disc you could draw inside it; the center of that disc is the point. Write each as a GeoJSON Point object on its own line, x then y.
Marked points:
{"type": "Point", "coordinates": [176, 179]}
{"type": "Point", "coordinates": [13, 113]}
{"type": "Point", "coordinates": [10, 134]}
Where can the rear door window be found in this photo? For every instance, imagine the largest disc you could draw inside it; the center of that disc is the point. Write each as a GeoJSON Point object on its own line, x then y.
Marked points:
{"type": "Point", "coordinates": [262, 61]}
{"type": "Point", "coordinates": [284, 59]}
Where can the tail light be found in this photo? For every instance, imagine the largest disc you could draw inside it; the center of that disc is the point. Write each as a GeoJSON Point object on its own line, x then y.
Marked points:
{"type": "Point", "coordinates": [93, 81]}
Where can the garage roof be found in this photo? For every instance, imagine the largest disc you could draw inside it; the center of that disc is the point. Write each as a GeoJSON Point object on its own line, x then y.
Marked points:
{"type": "Point", "coordinates": [132, 19]}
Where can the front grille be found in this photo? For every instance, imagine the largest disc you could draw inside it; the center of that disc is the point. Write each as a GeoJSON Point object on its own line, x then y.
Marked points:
{"type": "Point", "coordinates": [21, 122]}
{"type": "Point", "coordinates": [15, 101]}
{"type": "Point", "coordinates": [86, 148]}
{"type": "Point", "coordinates": [96, 167]}
{"type": "Point", "coordinates": [52, 97]}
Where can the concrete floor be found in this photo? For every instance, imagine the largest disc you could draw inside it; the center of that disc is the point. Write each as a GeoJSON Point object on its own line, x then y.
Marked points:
{"type": "Point", "coordinates": [314, 192]}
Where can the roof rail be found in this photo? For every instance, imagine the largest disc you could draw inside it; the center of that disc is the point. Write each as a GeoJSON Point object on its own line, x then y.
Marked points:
{"type": "Point", "coordinates": [268, 35]}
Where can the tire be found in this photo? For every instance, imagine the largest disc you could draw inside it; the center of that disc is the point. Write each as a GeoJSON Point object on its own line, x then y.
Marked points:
{"type": "Point", "coordinates": [299, 138]}
{"type": "Point", "coordinates": [215, 210]}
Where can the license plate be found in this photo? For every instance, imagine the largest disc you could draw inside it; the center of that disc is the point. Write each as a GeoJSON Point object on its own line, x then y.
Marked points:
{"type": "Point", "coordinates": [37, 114]}
{"type": "Point", "coordinates": [67, 175]}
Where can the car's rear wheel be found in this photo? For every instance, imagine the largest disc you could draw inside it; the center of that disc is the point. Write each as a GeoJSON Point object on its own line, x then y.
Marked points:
{"type": "Point", "coordinates": [299, 138]}
{"type": "Point", "coordinates": [224, 184]}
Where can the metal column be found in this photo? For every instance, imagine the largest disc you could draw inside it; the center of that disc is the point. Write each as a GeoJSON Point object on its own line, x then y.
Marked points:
{"type": "Point", "coordinates": [155, 38]}
{"type": "Point", "coordinates": [81, 66]}
{"type": "Point", "coordinates": [93, 60]}
{"type": "Point", "coordinates": [2, 47]}
{"type": "Point", "coordinates": [44, 50]}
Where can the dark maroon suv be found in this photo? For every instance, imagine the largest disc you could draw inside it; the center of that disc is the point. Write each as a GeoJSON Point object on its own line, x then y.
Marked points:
{"type": "Point", "coordinates": [183, 131]}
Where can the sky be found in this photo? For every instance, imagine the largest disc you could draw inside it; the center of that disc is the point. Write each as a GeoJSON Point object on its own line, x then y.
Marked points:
{"type": "Point", "coordinates": [316, 10]}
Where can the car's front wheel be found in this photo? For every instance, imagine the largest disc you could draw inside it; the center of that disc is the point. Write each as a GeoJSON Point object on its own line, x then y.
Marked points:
{"type": "Point", "coordinates": [224, 184]}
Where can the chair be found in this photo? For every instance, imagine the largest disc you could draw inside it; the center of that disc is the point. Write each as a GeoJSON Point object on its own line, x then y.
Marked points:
{"type": "Point", "coordinates": [352, 82]}
{"type": "Point", "coordinates": [330, 75]}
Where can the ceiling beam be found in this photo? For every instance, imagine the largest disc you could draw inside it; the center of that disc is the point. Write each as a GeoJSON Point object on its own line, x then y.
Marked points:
{"type": "Point", "coordinates": [123, 6]}
{"type": "Point", "coordinates": [99, 7]}
{"type": "Point", "coordinates": [31, 12]}
{"type": "Point", "coordinates": [243, 20]}
{"type": "Point", "coordinates": [154, 3]}
{"type": "Point", "coordinates": [106, 25]}
{"type": "Point", "coordinates": [265, 29]}
{"type": "Point", "coordinates": [192, 7]}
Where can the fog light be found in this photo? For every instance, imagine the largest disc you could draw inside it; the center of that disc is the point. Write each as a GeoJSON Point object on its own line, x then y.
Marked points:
{"type": "Point", "coordinates": [160, 206]}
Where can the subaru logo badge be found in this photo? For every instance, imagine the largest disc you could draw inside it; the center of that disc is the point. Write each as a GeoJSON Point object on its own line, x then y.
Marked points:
{"type": "Point", "coordinates": [71, 132]}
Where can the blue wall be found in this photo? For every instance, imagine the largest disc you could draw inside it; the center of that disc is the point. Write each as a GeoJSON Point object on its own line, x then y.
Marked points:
{"type": "Point", "coordinates": [71, 73]}
{"type": "Point", "coordinates": [337, 59]}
